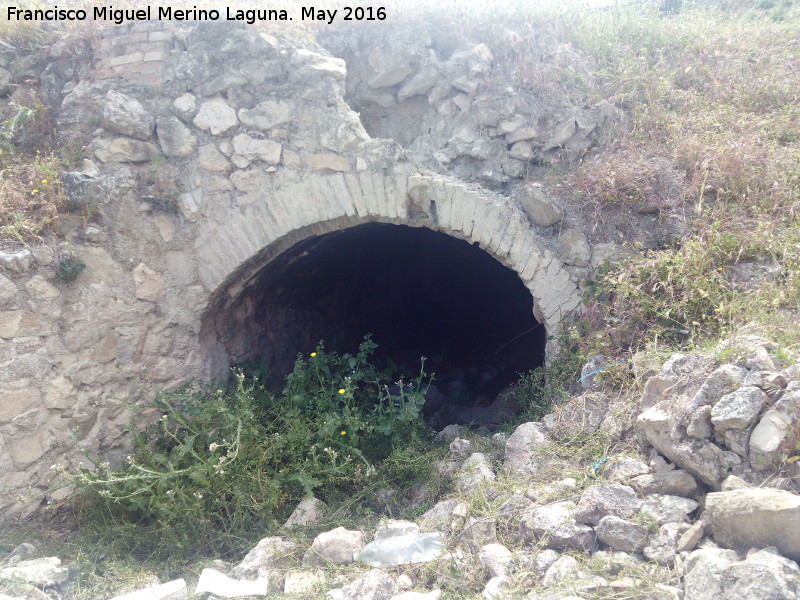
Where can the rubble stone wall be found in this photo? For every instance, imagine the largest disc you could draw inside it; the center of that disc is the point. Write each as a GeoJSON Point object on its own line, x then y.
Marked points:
{"type": "Point", "coordinates": [208, 150]}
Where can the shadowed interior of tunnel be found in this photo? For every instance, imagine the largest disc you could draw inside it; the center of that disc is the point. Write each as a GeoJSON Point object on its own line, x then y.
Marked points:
{"type": "Point", "coordinates": [417, 291]}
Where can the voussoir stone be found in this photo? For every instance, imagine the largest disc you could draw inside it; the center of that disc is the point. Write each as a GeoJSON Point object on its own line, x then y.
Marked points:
{"type": "Point", "coordinates": [334, 547]}
{"type": "Point", "coordinates": [756, 517]}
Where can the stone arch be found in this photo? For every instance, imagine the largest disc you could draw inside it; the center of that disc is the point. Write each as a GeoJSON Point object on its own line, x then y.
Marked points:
{"type": "Point", "coordinates": [270, 222]}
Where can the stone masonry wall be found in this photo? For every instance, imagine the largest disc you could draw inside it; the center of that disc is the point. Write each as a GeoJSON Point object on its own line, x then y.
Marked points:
{"type": "Point", "coordinates": [210, 149]}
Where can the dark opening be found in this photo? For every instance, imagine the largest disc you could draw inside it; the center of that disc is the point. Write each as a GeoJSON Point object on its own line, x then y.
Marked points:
{"type": "Point", "coordinates": [418, 292]}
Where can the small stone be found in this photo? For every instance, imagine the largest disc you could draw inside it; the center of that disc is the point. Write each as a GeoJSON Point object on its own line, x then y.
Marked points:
{"type": "Point", "coordinates": [299, 581]}
{"type": "Point", "coordinates": [622, 535]}
{"type": "Point", "coordinates": [43, 572]}
{"type": "Point", "coordinates": [126, 150]}
{"type": "Point", "coordinates": [521, 151]}
{"type": "Point", "coordinates": [662, 546]}
{"type": "Point", "coordinates": [269, 553]}
{"type": "Point", "coordinates": [307, 512]}
{"type": "Point", "coordinates": [668, 509]}
{"type": "Point", "coordinates": [374, 585]}
{"type": "Point", "coordinates": [216, 116]}
{"type": "Point", "coordinates": [175, 138]}
{"type": "Point", "coordinates": [521, 134]}
{"type": "Point", "coordinates": [150, 284]}
{"type": "Point", "coordinates": [555, 525]}
{"type": "Point", "coordinates": [460, 448]}
{"type": "Point", "coordinates": [267, 114]}
{"type": "Point", "coordinates": [476, 472]}
{"type": "Point", "coordinates": [497, 588]}
{"type": "Point", "coordinates": [17, 262]}
{"type": "Point", "coordinates": [691, 537]}
{"type": "Point", "coordinates": [334, 547]}
{"type": "Point", "coordinates": [606, 499]}
{"type": "Point", "coordinates": [253, 148]}
{"type": "Point", "coordinates": [576, 248]}
{"type": "Point", "coordinates": [767, 440]}
{"type": "Point", "coordinates": [522, 454]}
{"type": "Point", "coordinates": [496, 558]}
{"type": "Point", "coordinates": [185, 107]}
{"type": "Point", "coordinates": [672, 483]}
{"type": "Point", "coordinates": [8, 291]}
{"type": "Point", "coordinates": [619, 468]}
{"type": "Point", "coordinates": [699, 426]}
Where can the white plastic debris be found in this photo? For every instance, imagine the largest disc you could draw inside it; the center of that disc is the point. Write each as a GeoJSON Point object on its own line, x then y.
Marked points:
{"type": "Point", "coordinates": [402, 549]}
{"type": "Point", "coordinates": [219, 584]}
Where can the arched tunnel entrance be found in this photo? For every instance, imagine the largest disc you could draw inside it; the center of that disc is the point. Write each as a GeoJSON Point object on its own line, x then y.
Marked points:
{"type": "Point", "coordinates": [417, 291]}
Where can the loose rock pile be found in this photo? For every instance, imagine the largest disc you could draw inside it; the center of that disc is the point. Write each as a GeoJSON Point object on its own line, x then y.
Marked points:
{"type": "Point", "coordinates": [702, 518]}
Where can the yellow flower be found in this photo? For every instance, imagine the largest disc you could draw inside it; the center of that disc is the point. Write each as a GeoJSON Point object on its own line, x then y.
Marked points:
{"type": "Point", "coordinates": [341, 390]}
{"type": "Point", "coordinates": [343, 433]}
{"type": "Point", "coordinates": [35, 192]}
{"type": "Point", "coordinates": [44, 180]}
{"type": "Point", "coordinates": [313, 354]}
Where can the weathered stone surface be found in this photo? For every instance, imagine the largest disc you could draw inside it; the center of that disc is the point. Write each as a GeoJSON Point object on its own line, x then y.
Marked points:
{"type": "Point", "coordinates": [671, 483]}
{"type": "Point", "coordinates": [215, 116]}
{"type": "Point", "coordinates": [738, 410]}
{"type": "Point", "coordinates": [8, 290]}
{"type": "Point", "coordinates": [661, 547]}
{"type": "Point", "coordinates": [555, 525]}
{"type": "Point", "coordinates": [185, 107]}
{"type": "Point", "coordinates": [126, 150]}
{"type": "Point", "coordinates": [522, 455]}
{"type": "Point", "coordinates": [576, 248]}
{"type": "Point", "coordinates": [269, 553]}
{"type": "Point", "coordinates": [125, 115]}
{"type": "Point", "coordinates": [601, 500]}
{"type": "Point", "coordinates": [374, 585]}
{"type": "Point", "coordinates": [538, 207]}
{"type": "Point", "coordinates": [307, 512]}
{"type": "Point", "coordinates": [299, 581]}
{"type": "Point", "coordinates": [668, 509]}
{"type": "Point", "coordinates": [496, 558]}
{"type": "Point", "coordinates": [475, 473]}
{"type": "Point", "coordinates": [211, 159]}
{"type": "Point", "coordinates": [715, 574]}
{"type": "Point", "coordinates": [16, 402]}
{"type": "Point", "coordinates": [175, 138]}
{"type": "Point", "coordinates": [620, 534]}
{"type": "Point", "coordinates": [561, 134]}
{"type": "Point", "coordinates": [150, 284]}
{"type": "Point", "coordinates": [334, 547]}
{"type": "Point", "coordinates": [439, 516]}
{"type": "Point", "coordinates": [328, 162]}
{"type": "Point", "coordinates": [252, 148]}
{"type": "Point", "coordinates": [497, 588]}
{"type": "Point", "coordinates": [421, 83]}
{"type": "Point", "coordinates": [755, 518]}
{"type": "Point", "coordinates": [620, 468]}
{"type": "Point", "coordinates": [100, 266]}
{"type": "Point", "coordinates": [17, 262]}
{"type": "Point", "coordinates": [767, 438]}
{"type": "Point", "coordinates": [267, 114]}
{"type": "Point", "coordinates": [521, 151]}
{"type": "Point", "coordinates": [43, 572]}
{"type": "Point", "coordinates": [23, 323]}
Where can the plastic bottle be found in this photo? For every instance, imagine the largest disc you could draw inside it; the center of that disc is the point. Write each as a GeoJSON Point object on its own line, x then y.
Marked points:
{"type": "Point", "coordinates": [402, 549]}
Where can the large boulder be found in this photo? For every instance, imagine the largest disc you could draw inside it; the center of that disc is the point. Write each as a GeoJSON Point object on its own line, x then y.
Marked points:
{"type": "Point", "coordinates": [716, 574]}
{"type": "Point", "coordinates": [756, 518]}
